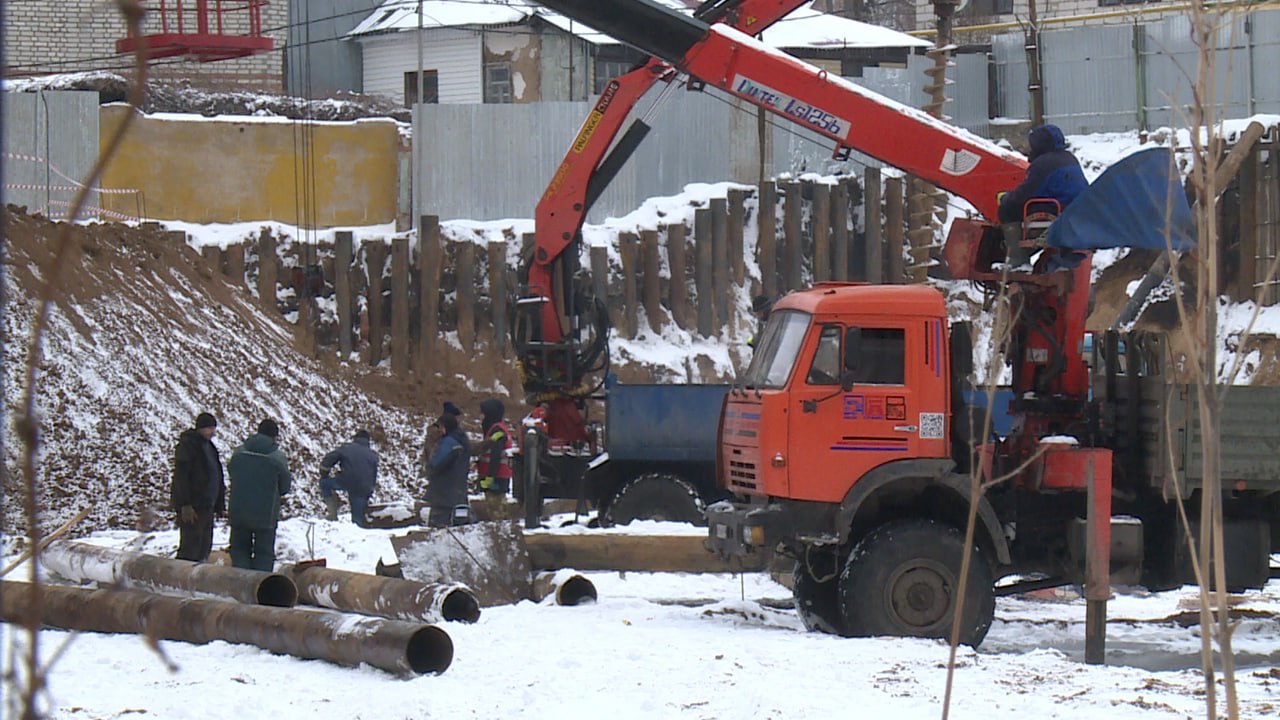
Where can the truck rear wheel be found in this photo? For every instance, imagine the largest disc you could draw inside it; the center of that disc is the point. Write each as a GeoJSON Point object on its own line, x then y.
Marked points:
{"type": "Point", "coordinates": [903, 580]}
{"type": "Point", "coordinates": [818, 598]}
{"type": "Point", "coordinates": [656, 496]}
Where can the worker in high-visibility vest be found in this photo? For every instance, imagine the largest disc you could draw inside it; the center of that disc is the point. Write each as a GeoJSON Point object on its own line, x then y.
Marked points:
{"type": "Point", "coordinates": [493, 464]}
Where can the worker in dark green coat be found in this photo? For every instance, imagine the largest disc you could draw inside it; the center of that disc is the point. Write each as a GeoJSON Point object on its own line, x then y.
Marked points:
{"type": "Point", "coordinates": [259, 478]}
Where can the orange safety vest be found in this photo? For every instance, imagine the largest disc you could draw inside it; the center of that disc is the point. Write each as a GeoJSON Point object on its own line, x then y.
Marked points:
{"type": "Point", "coordinates": [497, 432]}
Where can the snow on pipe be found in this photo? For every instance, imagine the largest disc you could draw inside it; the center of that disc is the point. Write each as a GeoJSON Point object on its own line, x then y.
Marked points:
{"type": "Point", "coordinates": [568, 587]}
{"type": "Point", "coordinates": [398, 647]}
{"type": "Point", "coordinates": [125, 569]}
{"type": "Point", "coordinates": [384, 596]}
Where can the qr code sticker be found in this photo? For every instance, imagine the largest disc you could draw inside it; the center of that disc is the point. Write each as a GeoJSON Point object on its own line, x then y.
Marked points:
{"type": "Point", "coordinates": [931, 426]}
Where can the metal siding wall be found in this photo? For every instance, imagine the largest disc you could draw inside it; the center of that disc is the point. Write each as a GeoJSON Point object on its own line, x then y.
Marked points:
{"type": "Point", "coordinates": [1010, 58]}
{"type": "Point", "coordinates": [1265, 60]}
{"type": "Point", "coordinates": [1090, 79]}
{"type": "Point", "coordinates": [968, 106]}
{"type": "Point", "coordinates": [318, 56]}
{"type": "Point", "coordinates": [59, 127]}
{"type": "Point", "coordinates": [1171, 55]}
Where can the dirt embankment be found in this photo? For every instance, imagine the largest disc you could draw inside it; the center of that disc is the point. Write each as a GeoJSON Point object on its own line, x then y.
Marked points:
{"type": "Point", "coordinates": [143, 335]}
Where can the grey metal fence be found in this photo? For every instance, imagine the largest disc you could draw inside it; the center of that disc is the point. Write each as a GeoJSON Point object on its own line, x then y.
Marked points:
{"type": "Point", "coordinates": [488, 162]}
{"type": "Point", "coordinates": [1114, 78]}
{"type": "Point", "coordinates": [50, 143]}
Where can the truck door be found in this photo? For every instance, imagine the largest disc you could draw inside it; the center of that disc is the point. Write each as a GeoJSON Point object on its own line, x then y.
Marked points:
{"type": "Point", "coordinates": [839, 435]}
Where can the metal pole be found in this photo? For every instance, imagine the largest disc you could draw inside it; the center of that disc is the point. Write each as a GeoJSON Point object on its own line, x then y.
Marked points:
{"type": "Point", "coordinates": [395, 646]}
{"type": "Point", "coordinates": [1097, 568]}
{"type": "Point", "coordinates": [415, 211]}
{"type": "Point", "coordinates": [387, 597]}
{"type": "Point", "coordinates": [80, 562]}
{"type": "Point", "coordinates": [532, 493]}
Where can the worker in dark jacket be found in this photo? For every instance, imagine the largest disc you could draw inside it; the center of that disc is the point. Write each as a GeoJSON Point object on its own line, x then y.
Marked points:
{"type": "Point", "coordinates": [357, 475]}
{"type": "Point", "coordinates": [447, 482]}
{"type": "Point", "coordinates": [1054, 173]}
{"type": "Point", "coordinates": [259, 478]}
{"type": "Point", "coordinates": [198, 491]}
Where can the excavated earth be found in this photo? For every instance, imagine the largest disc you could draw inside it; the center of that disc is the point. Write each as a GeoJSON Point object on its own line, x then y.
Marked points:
{"type": "Point", "coordinates": [142, 336]}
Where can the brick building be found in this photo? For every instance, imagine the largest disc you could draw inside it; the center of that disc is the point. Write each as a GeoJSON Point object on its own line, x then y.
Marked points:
{"type": "Point", "coordinates": [42, 37]}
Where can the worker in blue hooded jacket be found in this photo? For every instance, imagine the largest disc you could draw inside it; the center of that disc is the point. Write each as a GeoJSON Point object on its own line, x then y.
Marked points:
{"type": "Point", "coordinates": [1054, 173]}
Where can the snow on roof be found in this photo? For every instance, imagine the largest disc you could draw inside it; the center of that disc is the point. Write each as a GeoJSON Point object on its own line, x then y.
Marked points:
{"type": "Point", "coordinates": [809, 28]}
{"type": "Point", "coordinates": [803, 28]}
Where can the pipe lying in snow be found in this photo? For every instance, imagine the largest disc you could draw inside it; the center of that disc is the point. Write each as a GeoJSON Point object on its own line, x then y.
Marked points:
{"type": "Point", "coordinates": [568, 587]}
{"type": "Point", "coordinates": [398, 647]}
{"type": "Point", "coordinates": [137, 571]}
{"type": "Point", "coordinates": [384, 596]}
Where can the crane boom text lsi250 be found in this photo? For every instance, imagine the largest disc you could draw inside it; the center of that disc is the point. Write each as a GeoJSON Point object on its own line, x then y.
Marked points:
{"type": "Point", "coordinates": [848, 446]}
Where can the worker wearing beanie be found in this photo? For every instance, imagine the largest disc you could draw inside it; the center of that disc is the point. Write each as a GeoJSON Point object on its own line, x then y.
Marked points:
{"type": "Point", "coordinates": [198, 491]}
{"type": "Point", "coordinates": [259, 478]}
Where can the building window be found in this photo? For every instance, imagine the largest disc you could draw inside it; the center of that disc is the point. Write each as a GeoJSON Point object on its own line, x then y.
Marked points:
{"type": "Point", "coordinates": [497, 83]}
{"type": "Point", "coordinates": [607, 70]}
{"type": "Point", "coordinates": [612, 61]}
{"type": "Point", "coordinates": [987, 8]}
{"type": "Point", "coordinates": [430, 87]}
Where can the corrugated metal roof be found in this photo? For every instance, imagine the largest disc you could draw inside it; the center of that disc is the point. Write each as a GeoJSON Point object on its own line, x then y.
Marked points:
{"type": "Point", "coordinates": [803, 28]}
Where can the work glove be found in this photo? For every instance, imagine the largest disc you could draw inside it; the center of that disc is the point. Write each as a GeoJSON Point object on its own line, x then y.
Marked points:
{"type": "Point", "coordinates": [188, 514]}
{"type": "Point", "coordinates": [486, 483]}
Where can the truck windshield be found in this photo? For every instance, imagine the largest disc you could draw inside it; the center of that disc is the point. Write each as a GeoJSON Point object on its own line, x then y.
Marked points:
{"type": "Point", "coordinates": [776, 354]}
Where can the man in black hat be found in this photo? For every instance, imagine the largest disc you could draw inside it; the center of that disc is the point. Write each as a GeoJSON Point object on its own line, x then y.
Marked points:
{"type": "Point", "coordinates": [259, 478]}
{"type": "Point", "coordinates": [357, 475]}
{"type": "Point", "coordinates": [198, 491]}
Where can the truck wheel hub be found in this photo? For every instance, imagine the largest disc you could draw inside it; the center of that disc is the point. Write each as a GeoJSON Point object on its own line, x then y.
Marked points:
{"type": "Point", "coordinates": [920, 596]}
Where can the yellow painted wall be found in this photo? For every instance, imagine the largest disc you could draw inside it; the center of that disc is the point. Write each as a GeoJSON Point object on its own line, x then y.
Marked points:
{"type": "Point", "coordinates": [224, 171]}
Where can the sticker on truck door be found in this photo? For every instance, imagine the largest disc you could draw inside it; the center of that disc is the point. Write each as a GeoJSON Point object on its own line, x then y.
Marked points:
{"type": "Point", "coordinates": [931, 426]}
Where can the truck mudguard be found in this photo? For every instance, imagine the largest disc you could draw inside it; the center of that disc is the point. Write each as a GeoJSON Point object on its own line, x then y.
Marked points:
{"type": "Point", "coordinates": [933, 472]}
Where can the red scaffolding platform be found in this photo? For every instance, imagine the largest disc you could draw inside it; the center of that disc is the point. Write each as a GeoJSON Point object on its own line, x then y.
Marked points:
{"type": "Point", "coordinates": [206, 30]}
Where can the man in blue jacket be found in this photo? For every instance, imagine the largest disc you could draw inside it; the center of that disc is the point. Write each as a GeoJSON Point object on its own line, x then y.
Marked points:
{"type": "Point", "coordinates": [448, 468]}
{"type": "Point", "coordinates": [1054, 173]}
{"type": "Point", "coordinates": [357, 476]}
{"type": "Point", "coordinates": [259, 478]}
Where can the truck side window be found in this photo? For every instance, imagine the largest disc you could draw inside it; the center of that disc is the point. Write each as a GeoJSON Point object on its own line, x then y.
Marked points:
{"type": "Point", "coordinates": [881, 357]}
{"type": "Point", "coordinates": [825, 368]}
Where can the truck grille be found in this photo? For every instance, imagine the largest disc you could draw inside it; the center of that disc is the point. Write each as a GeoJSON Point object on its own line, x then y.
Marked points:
{"type": "Point", "coordinates": [742, 474]}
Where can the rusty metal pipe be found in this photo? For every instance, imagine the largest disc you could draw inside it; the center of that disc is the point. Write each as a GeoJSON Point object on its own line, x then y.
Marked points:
{"type": "Point", "coordinates": [138, 571]}
{"type": "Point", "coordinates": [395, 646]}
{"type": "Point", "coordinates": [384, 596]}
{"type": "Point", "coordinates": [569, 588]}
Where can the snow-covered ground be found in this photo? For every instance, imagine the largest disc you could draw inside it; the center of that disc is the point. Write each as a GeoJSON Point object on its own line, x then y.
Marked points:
{"type": "Point", "coordinates": [673, 646]}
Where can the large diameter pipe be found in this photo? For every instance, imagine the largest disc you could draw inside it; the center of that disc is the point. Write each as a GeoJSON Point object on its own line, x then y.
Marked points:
{"type": "Point", "coordinates": [568, 587]}
{"type": "Point", "coordinates": [392, 645]}
{"type": "Point", "coordinates": [124, 569]}
{"type": "Point", "coordinates": [384, 596]}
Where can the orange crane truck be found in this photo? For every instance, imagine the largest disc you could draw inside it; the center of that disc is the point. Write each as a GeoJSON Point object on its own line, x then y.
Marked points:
{"type": "Point", "coordinates": [847, 444]}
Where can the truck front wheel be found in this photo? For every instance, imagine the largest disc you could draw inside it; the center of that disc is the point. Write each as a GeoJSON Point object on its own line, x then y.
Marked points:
{"type": "Point", "coordinates": [816, 588]}
{"type": "Point", "coordinates": [903, 580]}
{"type": "Point", "coordinates": [656, 496]}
